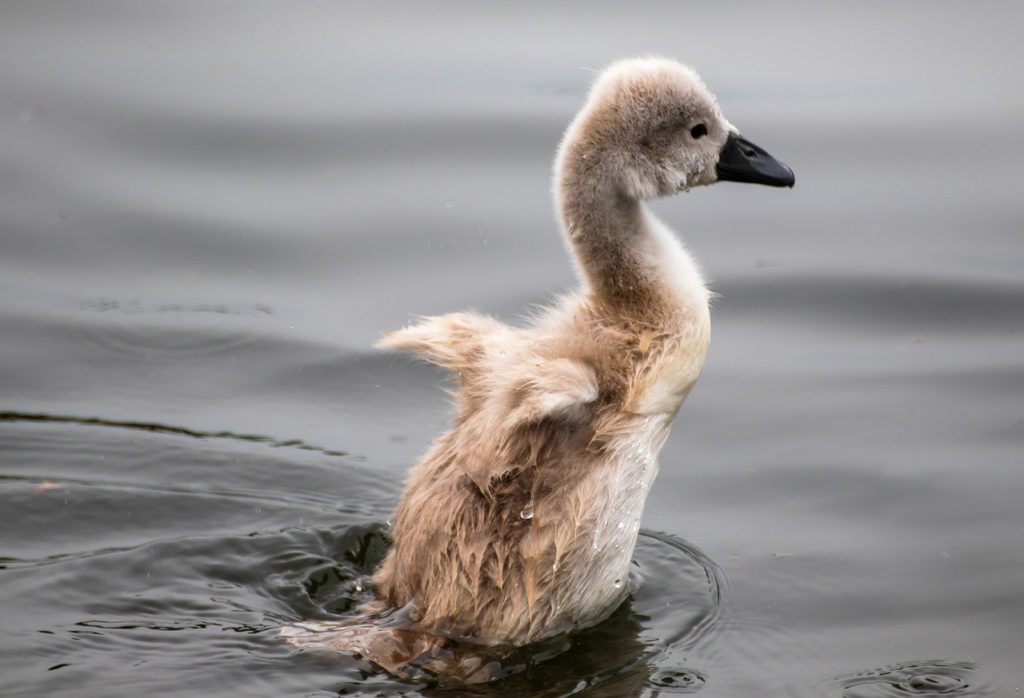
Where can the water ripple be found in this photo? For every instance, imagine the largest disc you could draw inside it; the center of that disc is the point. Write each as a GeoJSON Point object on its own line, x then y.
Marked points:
{"type": "Point", "coordinates": [676, 603]}
{"type": "Point", "coordinates": [134, 329]}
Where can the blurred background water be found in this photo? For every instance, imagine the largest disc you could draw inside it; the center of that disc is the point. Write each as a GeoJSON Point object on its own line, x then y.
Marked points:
{"type": "Point", "coordinates": [210, 210]}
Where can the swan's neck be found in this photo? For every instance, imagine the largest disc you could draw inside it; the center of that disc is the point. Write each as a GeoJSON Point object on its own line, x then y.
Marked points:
{"type": "Point", "coordinates": [626, 258]}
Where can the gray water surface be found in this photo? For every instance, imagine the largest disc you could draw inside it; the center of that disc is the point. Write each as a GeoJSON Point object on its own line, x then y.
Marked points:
{"type": "Point", "coordinates": [210, 210]}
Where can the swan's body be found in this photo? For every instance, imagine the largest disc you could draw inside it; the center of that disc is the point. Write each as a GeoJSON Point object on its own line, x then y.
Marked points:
{"type": "Point", "coordinates": [520, 522]}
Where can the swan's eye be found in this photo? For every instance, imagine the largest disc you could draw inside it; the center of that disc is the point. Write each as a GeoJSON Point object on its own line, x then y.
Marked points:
{"type": "Point", "coordinates": [699, 131]}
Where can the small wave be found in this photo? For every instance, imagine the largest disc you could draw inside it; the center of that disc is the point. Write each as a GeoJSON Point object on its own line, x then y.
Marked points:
{"type": "Point", "coordinates": [156, 427]}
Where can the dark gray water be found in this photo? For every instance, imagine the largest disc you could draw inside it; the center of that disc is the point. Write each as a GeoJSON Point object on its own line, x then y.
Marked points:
{"type": "Point", "coordinates": [209, 211]}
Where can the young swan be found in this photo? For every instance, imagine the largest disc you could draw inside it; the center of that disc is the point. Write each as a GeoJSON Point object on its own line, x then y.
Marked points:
{"type": "Point", "coordinates": [520, 522]}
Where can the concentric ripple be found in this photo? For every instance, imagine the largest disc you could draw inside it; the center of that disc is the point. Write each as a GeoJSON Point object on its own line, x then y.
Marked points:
{"type": "Point", "coordinates": [678, 680]}
{"type": "Point", "coordinates": [926, 679]}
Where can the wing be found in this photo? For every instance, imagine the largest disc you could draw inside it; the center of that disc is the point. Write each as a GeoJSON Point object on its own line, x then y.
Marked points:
{"type": "Point", "coordinates": [549, 388]}
{"type": "Point", "coordinates": [517, 385]}
{"type": "Point", "coordinates": [456, 341]}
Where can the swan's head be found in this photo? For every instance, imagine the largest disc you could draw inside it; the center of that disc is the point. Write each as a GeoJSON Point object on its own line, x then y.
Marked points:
{"type": "Point", "coordinates": [652, 128]}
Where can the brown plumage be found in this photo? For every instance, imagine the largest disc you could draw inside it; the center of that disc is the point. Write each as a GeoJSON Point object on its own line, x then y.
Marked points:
{"type": "Point", "coordinates": [520, 522]}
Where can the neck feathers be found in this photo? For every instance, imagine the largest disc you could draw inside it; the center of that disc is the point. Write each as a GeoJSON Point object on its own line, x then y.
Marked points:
{"type": "Point", "coordinates": [627, 259]}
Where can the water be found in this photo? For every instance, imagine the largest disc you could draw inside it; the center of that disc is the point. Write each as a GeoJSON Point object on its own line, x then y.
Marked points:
{"type": "Point", "coordinates": [209, 211]}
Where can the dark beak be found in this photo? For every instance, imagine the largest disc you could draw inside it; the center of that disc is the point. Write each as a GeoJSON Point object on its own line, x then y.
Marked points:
{"type": "Point", "coordinates": [742, 161]}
